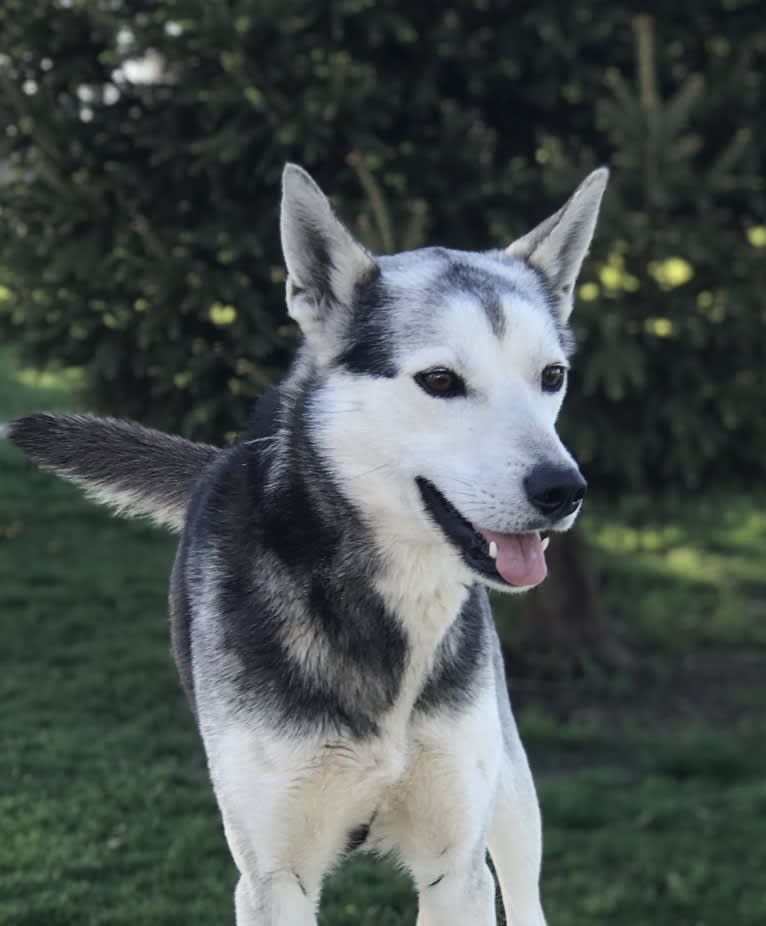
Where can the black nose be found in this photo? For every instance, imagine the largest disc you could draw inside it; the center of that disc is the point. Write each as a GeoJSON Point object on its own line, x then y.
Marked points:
{"type": "Point", "coordinates": [554, 490]}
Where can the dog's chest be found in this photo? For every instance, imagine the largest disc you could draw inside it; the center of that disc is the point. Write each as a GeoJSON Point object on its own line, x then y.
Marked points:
{"type": "Point", "coordinates": [429, 617]}
{"type": "Point", "coordinates": [370, 768]}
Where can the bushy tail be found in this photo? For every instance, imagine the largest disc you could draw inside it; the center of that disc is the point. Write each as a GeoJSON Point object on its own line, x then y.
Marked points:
{"type": "Point", "coordinates": [134, 469]}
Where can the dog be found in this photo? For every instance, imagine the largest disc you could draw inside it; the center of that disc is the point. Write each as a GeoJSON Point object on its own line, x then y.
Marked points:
{"type": "Point", "coordinates": [329, 611]}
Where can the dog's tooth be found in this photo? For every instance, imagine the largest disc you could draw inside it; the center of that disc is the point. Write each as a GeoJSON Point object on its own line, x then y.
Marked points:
{"type": "Point", "coordinates": [493, 549]}
{"type": "Point", "coordinates": [545, 543]}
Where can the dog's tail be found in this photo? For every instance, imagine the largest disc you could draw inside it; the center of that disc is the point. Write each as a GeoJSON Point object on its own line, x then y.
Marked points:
{"type": "Point", "coordinates": [136, 470]}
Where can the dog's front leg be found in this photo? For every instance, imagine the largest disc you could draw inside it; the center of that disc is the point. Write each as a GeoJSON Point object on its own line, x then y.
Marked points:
{"type": "Point", "coordinates": [278, 899]}
{"type": "Point", "coordinates": [440, 814]}
{"type": "Point", "coordinates": [449, 867]}
{"type": "Point", "coordinates": [282, 836]}
{"type": "Point", "coordinates": [465, 893]}
{"type": "Point", "coordinates": [515, 840]}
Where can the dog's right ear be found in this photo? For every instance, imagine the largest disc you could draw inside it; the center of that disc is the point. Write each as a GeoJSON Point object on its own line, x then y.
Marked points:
{"type": "Point", "coordinates": [324, 262]}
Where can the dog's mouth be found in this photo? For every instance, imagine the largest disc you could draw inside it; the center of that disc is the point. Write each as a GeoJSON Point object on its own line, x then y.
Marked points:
{"type": "Point", "coordinates": [511, 559]}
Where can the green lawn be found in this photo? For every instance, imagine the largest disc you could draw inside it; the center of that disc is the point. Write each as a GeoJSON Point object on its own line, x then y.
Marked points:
{"type": "Point", "coordinates": [653, 787]}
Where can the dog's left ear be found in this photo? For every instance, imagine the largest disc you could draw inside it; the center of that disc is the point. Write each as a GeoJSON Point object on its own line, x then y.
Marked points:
{"type": "Point", "coordinates": [557, 246]}
{"type": "Point", "coordinates": [324, 262]}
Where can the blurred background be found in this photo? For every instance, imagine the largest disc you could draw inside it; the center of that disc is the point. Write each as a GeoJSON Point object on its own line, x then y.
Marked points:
{"type": "Point", "coordinates": [141, 146]}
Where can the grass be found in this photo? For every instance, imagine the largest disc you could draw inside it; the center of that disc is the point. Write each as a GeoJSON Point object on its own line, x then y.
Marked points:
{"type": "Point", "coordinates": [653, 786]}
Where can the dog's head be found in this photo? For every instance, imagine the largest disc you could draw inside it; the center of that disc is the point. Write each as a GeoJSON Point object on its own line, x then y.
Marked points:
{"type": "Point", "coordinates": [439, 378]}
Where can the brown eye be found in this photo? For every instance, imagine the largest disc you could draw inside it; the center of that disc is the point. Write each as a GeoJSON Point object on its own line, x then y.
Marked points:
{"type": "Point", "coordinates": [440, 383]}
{"type": "Point", "coordinates": [553, 377]}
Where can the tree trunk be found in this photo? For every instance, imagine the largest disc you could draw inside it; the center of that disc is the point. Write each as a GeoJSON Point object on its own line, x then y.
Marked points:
{"type": "Point", "coordinates": [567, 624]}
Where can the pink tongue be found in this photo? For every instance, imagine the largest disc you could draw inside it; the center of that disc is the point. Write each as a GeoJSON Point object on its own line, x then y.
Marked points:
{"type": "Point", "coordinates": [520, 557]}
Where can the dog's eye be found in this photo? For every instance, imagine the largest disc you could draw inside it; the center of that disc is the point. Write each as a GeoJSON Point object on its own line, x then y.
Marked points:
{"type": "Point", "coordinates": [553, 377]}
{"type": "Point", "coordinates": [441, 383]}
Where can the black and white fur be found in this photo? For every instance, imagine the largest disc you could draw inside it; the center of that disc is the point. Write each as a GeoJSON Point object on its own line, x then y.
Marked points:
{"type": "Point", "coordinates": [329, 615]}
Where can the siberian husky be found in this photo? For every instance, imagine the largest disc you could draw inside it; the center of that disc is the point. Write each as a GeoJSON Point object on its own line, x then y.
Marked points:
{"type": "Point", "coordinates": [329, 613]}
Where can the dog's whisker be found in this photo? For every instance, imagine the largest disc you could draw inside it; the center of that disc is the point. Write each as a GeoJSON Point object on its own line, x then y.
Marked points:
{"type": "Point", "coordinates": [262, 440]}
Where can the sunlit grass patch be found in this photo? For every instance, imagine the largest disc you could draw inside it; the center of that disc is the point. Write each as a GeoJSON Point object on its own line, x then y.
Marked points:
{"type": "Point", "coordinates": [691, 574]}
